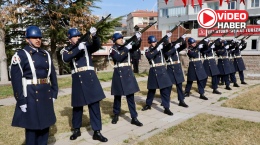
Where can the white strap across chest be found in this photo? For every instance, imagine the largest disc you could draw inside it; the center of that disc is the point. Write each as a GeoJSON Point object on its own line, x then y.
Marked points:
{"type": "Point", "coordinates": [33, 68]}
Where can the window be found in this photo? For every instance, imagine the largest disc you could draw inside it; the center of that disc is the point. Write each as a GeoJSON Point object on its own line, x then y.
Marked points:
{"type": "Point", "coordinates": [196, 9]}
{"type": "Point", "coordinates": [151, 18]}
{"type": "Point", "coordinates": [253, 45]}
{"type": "Point", "coordinates": [214, 6]}
{"type": "Point", "coordinates": [232, 5]}
{"type": "Point", "coordinates": [254, 3]}
{"type": "Point", "coordinates": [171, 12]}
{"type": "Point", "coordinates": [163, 12]}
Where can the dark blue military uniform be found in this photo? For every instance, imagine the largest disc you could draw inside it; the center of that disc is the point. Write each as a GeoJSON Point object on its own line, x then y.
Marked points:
{"type": "Point", "coordinates": [174, 68]}
{"type": "Point", "coordinates": [210, 66]}
{"type": "Point", "coordinates": [41, 88]}
{"type": "Point", "coordinates": [196, 71]}
{"type": "Point", "coordinates": [136, 56]}
{"type": "Point", "coordinates": [86, 88]}
{"type": "Point", "coordinates": [238, 60]}
{"type": "Point", "coordinates": [123, 81]}
{"type": "Point", "coordinates": [158, 77]}
{"type": "Point", "coordinates": [223, 64]}
{"type": "Point", "coordinates": [232, 68]}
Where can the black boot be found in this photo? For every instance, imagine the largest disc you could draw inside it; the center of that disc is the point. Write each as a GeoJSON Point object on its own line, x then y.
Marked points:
{"type": "Point", "coordinates": [115, 119]}
{"type": "Point", "coordinates": [244, 83]}
{"type": "Point", "coordinates": [186, 94]}
{"type": "Point", "coordinates": [235, 85]}
{"type": "Point", "coordinates": [146, 107]}
{"type": "Point", "coordinates": [215, 91]}
{"type": "Point", "coordinates": [168, 111]}
{"type": "Point", "coordinates": [183, 104]}
{"type": "Point", "coordinates": [228, 88]}
{"type": "Point", "coordinates": [98, 136]}
{"type": "Point", "coordinates": [136, 122]}
{"type": "Point", "coordinates": [76, 133]}
{"type": "Point", "coordinates": [202, 96]}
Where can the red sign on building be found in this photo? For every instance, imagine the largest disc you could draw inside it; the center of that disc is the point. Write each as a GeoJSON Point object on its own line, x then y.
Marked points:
{"type": "Point", "coordinates": [250, 30]}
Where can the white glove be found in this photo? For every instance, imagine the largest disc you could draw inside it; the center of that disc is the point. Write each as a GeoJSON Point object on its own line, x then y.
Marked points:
{"type": "Point", "coordinates": [200, 46]}
{"type": "Point", "coordinates": [177, 46]}
{"type": "Point", "coordinates": [159, 47]}
{"type": "Point", "coordinates": [240, 47]}
{"type": "Point", "coordinates": [239, 41]}
{"type": "Point", "coordinates": [213, 46]}
{"type": "Point", "coordinates": [184, 36]}
{"type": "Point", "coordinates": [227, 46]}
{"type": "Point", "coordinates": [82, 46]}
{"type": "Point", "coordinates": [23, 107]}
{"type": "Point", "coordinates": [234, 40]}
{"type": "Point", "coordinates": [129, 46]}
{"type": "Point", "coordinates": [206, 40]}
{"type": "Point", "coordinates": [53, 100]}
{"type": "Point", "coordinates": [138, 35]}
{"type": "Point", "coordinates": [169, 34]}
{"type": "Point", "coordinates": [93, 31]}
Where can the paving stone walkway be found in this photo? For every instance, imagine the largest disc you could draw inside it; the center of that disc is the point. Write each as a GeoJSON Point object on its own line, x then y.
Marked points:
{"type": "Point", "coordinates": [155, 120]}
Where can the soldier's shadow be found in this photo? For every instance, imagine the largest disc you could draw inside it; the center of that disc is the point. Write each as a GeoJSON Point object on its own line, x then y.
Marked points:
{"type": "Point", "coordinates": [67, 112]}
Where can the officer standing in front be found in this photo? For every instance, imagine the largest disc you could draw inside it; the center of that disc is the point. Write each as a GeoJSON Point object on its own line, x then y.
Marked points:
{"type": "Point", "coordinates": [158, 77]}
{"type": "Point", "coordinates": [86, 88]}
{"type": "Point", "coordinates": [123, 81]}
{"type": "Point", "coordinates": [174, 68]}
{"type": "Point", "coordinates": [196, 71]}
{"type": "Point", "coordinates": [35, 89]}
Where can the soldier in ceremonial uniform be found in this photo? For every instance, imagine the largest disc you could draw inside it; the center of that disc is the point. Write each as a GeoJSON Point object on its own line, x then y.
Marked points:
{"type": "Point", "coordinates": [158, 77]}
{"type": "Point", "coordinates": [210, 65]}
{"type": "Point", "coordinates": [196, 71]}
{"type": "Point", "coordinates": [35, 89]}
{"type": "Point", "coordinates": [123, 82]}
{"type": "Point", "coordinates": [238, 60]}
{"type": "Point", "coordinates": [86, 88]}
{"type": "Point", "coordinates": [174, 68]}
{"type": "Point", "coordinates": [136, 56]}
{"type": "Point", "coordinates": [223, 61]}
{"type": "Point", "coordinates": [232, 74]}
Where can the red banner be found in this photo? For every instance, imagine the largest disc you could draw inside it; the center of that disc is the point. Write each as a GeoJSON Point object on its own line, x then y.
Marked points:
{"type": "Point", "coordinates": [250, 30]}
{"type": "Point", "coordinates": [200, 2]}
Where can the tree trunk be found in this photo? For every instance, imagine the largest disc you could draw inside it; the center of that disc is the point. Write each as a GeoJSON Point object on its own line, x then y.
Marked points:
{"type": "Point", "coordinates": [3, 58]}
{"type": "Point", "coordinates": [54, 55]}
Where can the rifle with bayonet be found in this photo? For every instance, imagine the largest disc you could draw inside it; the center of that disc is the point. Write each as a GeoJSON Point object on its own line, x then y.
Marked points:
{"type": "Point", "coordinates": [165, 37]}
{"type": "Point", "coordinates": [134, 37]}
{"type": "Point", "coordinates": [87, 36]}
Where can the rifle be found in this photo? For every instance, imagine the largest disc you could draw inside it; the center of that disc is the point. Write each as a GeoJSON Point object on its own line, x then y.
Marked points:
{"type": "Point", "coordinates": [142, 31]}
{"type": "Point", "coordinates": [201, 41]}
{"type": "Point", "coordinates": [249, 36]}
{"type": "Point", "coordinates": [165, 36]}
{"type": "Point", "coordinates": [87, 36]}
{"type": "Point", "coordinates": [239, 35]}
{"type": "Point", "coordinates": [225, 33]}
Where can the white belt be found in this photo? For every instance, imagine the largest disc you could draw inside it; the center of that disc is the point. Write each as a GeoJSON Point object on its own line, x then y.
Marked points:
{"type": "Point", "coordinates": [173, 62]}
{"type": "Point", "coordinates": [195, 59]}
{"type": "Point", "coordinates": [121, 65]}
{"type": "Point", "coordinates": [80, 69]}
{"type": "Point", "coordinates": [157, 64]}
{"type": "Point", "coordinates": [237, 56]}
{"type": "Point", "coordinates": [212, 57]}
{"type": "Point", "coordinates": [39, 81]}
{"type": "Point", "coordinates": [222, 57]}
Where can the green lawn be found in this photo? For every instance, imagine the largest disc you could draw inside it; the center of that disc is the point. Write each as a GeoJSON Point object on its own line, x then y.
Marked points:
{"type": "Point", "coordinates": [65, 82]}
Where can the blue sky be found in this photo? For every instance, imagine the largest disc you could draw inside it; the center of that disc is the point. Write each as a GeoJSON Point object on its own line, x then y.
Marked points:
{"type": "Point", "coordinates": [123, 7]}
